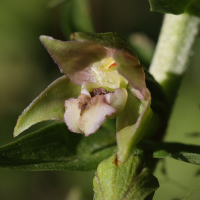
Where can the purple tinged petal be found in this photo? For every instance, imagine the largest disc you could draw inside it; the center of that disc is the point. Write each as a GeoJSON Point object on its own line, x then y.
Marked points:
{"type": "Point", "coordinates": [72, 115]}
{"type": "Point", "coordinates": [75, 58]}
{"type": "Point", "coordinates": [112, 41]}
{"type": "Point", "coordinates": [137, 93]}
{"type": "Point", "coordinates": [95, 113]}
{"type": "Point", "coordinates": [130, 68]}
{"type": "Point", "coordinates": [73, 112]}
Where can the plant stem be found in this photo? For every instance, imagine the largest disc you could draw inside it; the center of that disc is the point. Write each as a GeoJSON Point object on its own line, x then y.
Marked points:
{"type": "Point", "coordinates": [172, 53]}
{"type": "Point", "coordinates": [170, 61]}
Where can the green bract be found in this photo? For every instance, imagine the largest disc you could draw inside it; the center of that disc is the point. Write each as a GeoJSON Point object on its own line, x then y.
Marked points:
{"type": "Point", "coordinates": [103, 80]}
{"type": "Point", "coordinates": [133, 180]}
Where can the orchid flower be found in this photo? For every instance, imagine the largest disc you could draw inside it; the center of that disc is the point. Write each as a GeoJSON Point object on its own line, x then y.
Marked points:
{"type": "Point", "coordinates": [103, 80]}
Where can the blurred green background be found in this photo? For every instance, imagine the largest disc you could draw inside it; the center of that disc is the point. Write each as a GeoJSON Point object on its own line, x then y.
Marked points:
{"type": "Point", "coordinates": [26, 69]}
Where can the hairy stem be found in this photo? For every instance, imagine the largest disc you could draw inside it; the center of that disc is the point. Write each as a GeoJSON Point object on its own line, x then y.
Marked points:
{"type": "Point", "coordinates": [170, 61]}
{"type": "Point", "coordinates": [173, 50]}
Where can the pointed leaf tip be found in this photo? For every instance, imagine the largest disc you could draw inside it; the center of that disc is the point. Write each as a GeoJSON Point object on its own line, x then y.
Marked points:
{"type": "Point", "coordinates": [49, 105]}
{"type": "Point", "coordinates": [43, 37]}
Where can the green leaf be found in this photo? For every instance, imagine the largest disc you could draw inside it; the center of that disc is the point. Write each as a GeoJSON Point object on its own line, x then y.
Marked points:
{"type": "Point", "coordinates": [111, 40]}
{"type": "Point", "coordinates": [56, 148]}
{"type": "Point", "coordinates": [129, 136]}
{"type": "Point", "coordinates": [132, 180]}
{"type": "Point", "coordinates": [170, 6]}
{"type": "Point", "coordinates": [178, 151]}
{"type": "Point", "coordinates": [49, 105]}
{"type": "Point", "coordinates": [75, 16]}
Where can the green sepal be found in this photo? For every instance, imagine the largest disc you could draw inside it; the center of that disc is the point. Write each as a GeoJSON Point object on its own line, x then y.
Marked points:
{"type": "Point", "coordinates": [56, 148]}
{"type": "Point", "coordinates": [132, 180]}
{"type": "Point", "coordinates": [132, 133]}
{"type": "Point", "coordinates": [49, 105]}
{"type": "Point", "coordinates": [131, 112]}
{"type": "Point", "coordinates": [170, 6]}
{"type": "Point", "coordinates": [110, 40]}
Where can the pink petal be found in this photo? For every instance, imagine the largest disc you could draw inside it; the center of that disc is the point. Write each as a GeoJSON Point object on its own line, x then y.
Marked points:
{"type": "Point", "coordinates": [75, 58]}
{"type": "Point", "coordinates": [130, 68]}
{"type": "Point", "coordinates": [72, 115]}
{"type": "Point", "coordinates": [95, 114]}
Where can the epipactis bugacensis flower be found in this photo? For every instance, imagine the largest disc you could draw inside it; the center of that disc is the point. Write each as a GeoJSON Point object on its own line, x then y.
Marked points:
{"type": "Point", "coordinates": [106, 81]}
